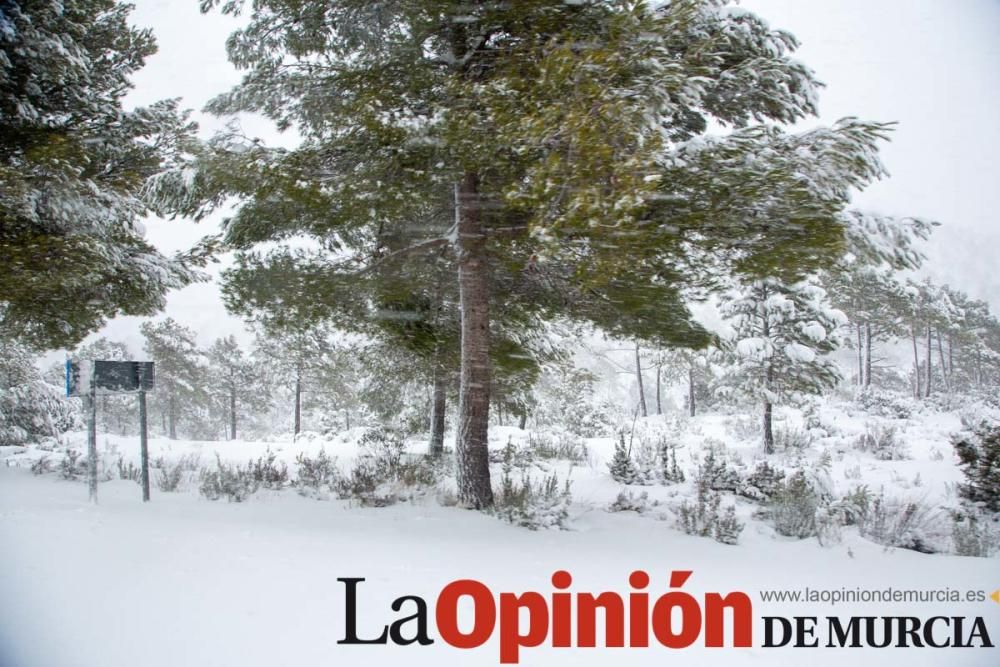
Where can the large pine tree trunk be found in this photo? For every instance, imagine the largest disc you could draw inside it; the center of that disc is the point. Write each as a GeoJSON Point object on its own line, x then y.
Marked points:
{"type": "Point", "coordinates": [868, 354]}
{"type": "Point", "coordinates": [930, 365]}
{"type": "Point", "coordinates": [438, 404]}
{"type": "Point", "coordinates": [471, 447]}
{"type": "Point", "coordinates": [232, 412]}
{"type": "Point", "coordinates": [638, 377]}
{"type": "Point", "coordinates": [916, 364]}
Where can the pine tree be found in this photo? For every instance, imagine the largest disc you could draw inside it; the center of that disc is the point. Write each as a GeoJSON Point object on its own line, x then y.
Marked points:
{"type": "Point", "coordinates": [180, 374]}
{"type": "Point", "coordinates": [566, 138]}
{"type": "Point", "coordinates": [116, 413]}
{"type": "Point", "coordinates": [31, 409]}
{"type": "Point", "coordinates": [782, 337]}
{"type": "Point", "coordinates": [233, 382]}
{"type": "Point", "coordinates": [73, 163]}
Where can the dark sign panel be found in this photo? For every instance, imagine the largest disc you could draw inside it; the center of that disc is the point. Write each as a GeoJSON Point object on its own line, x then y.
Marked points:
{"type": "Point", "coordinates": [109, 377]}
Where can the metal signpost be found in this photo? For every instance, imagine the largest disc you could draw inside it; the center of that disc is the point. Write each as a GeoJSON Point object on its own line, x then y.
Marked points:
{"type": "Point", "coordinates": [88, 379]}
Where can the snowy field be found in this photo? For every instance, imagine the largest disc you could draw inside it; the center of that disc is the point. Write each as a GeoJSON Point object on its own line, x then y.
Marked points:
{"type": "Point", "coordinates": [187, 581]}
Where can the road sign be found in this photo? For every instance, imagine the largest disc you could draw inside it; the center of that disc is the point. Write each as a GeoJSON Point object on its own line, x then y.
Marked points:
{"type": "Point", "coordinates": [108, 377]}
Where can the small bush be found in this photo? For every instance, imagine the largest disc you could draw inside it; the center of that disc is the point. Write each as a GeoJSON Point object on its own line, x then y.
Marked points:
{"type": "Point", "coordinates": [383, 470]}
{"type": "Point", "coordinates": [717, 473]}
{"type": "Point", "coordinates": [905, 524]}
{"type": "Point", "coordinates": [793, 507]}
{"type": "Point", "coordinates": [791, 438]}
{"type": "Point", "coordinates": [745, 428]}
{"type": "Point", "coordinates": [70, 467]}
{"type": "Point", "coordinates": [884, 404]}
{"type": "Point", "coordinates": [763, 483]}
{"type": "Point", "coordinates": [41, 466]}
{"type": "Point", "coordinates": [622, 467]}
{"type": "Point", "coordinates": [169, 475]}
{"type": "Point", "coordinates": [883, 442]}
{"type": "Point", "coordinates": [233, 482]}
{"type": "Point", "coordinates": [704, 519]}
{"type": "Point", "coordinates": [315, 474]}
{"type": "Point", "coordinates": [267, 472]}
{"type": "Point", "coordinates": [979, 456]}
{"type": "Point", "coordinates": [670, 472]}
{"type": "Point", "coordinates": [630, 502]}
{"type": "Point", "coordinates": [532, 504]}
{"type": "Point", "coordinates": [128, 471]}
{"type": "Point", "coordinates": [974, 534]}
{"type": "Point", "coordinates": [563, 446]}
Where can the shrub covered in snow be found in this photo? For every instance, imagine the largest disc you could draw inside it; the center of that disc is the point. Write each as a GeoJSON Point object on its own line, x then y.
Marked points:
{"type": "Point", "coordinates": [558, 444]}
{"type": "Point", "coordinates": [763, 483]}
{"type": "Point", "coordinates": [979, 453]}
{"type": "Point", "coordinates": [975, 534]}
{"type": "Point", "coordinates": [793, 507]}
{"type": "Point", "coordinates": [882, 441]}
{"type": "Point", "coordinates": [627, 501]}
{"type": "Point", "coordinates": [704, 518]}
{"type": "Point", "coordinates": [171, 474]}
{"type": "Point", "coordinates": [315, 474]}
{"type": "Point", "coordinates": [882, 403]}
{"type": "Point", "coordinates": [529, 503]}
{"type": "Point", "coordinates": [906, 524]}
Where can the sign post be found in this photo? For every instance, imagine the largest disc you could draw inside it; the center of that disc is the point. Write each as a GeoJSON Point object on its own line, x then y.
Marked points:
{"type": "Point", "coordinates": [87, 379]}
{"type": "Point", "coordinates": [90, 405]}
{"type": "Point", "coordinates": [143, 438]}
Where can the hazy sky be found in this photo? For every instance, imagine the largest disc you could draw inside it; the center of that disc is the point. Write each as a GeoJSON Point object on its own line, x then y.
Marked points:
{"type": "Point", "coordinates": [931, 65]}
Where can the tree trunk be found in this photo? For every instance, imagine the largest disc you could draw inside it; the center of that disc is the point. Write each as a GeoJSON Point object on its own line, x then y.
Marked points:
{"type": "Point", "coordinates": [523, 421]}
{"type": "Point", "coordinates": [172, 419]}
{"type": "Point", "coordinates": [659, 405]}
{"type": "Point", "coordinates": [232, 412]}
{"type": "Point", "coordinates": [944, 366]}
{"type": "Point", "coordinates": [438, 398]}
{"type": "Point", "coordinates": [472, 445]}
{"type": "Point", "coordinates": [298, 402]}
{"type": "Point", "coordinates": [930, 365]}
{"type": "Point", "coordinates": [638, 377]}
{"type": "Point", "coordinates": [861, 359]}
{"type": "Point", "coordinates": [691, 400]}
{"type": "Point", "coordinates": [768, 429]}
{"type": "Point", "coordinates": [868, 354]}
{"type": "Point", "coordinates": [916, 364]}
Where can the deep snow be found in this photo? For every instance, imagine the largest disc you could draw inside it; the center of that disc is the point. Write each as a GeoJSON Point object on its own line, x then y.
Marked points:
{"type": "Point", "coordinates": [186, 581]}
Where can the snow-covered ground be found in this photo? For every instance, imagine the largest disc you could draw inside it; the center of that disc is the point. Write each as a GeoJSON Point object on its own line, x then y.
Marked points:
{"type": "Point", "coordinates": [186, 581]}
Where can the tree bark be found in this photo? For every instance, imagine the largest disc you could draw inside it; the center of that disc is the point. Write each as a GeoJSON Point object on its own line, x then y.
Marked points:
{"type": "Point", "coordinates": [438, 399]}
{"type": "Point", "coordinates": [916, 364]}
{"type": "Point", "coordinates": [659, 405]}
{"type": "Point", "coordinates": [930, 365]}
{"type": "Point", "coordinates": [944, 366]}
{"type": "Point", "coordinates": [472, 445]}
{"type": "Point", "coordinates": [868, 354]}
{"type": "Point", "coordinates": [691, 400]}
{"type": "Point", "coordinates": [232, 412]}
{"type": "Point", "coordinates": [861, 359]}
{"type": "Point", "coordinates": [298, 402]}
{"type": "Point", "coordinates": [638, 377]}
{"type": "Point", "coordinates": [768, 429]}
{"type": "Point", "coordinates": [172, 418]}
